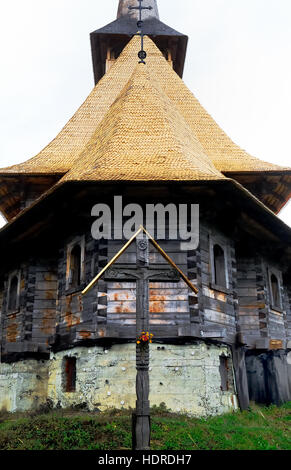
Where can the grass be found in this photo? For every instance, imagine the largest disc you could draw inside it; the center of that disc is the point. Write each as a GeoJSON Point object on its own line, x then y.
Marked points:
{"type": "Point", "coordinates": [258, 429]}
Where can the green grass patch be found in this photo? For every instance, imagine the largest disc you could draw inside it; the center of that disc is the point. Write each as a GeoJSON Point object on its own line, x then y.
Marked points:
{"type": "Point", "coordinates": [261, 428]}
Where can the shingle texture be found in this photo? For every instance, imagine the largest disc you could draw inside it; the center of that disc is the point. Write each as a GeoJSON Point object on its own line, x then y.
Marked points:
{"type": "Point", "coordinates": [141, 123]}
{"type": "Point", "coordinates": [60, 155]}
{"type": "Point", "coordinates": [143, 137]}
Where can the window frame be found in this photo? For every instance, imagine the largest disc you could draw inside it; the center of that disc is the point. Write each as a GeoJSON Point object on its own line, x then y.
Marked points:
{"type": "Point", "coordinates": [78, 241]}
{"type": "Point", "coordinates": [12, 275]}
{"type": "Point", "coordinates": [278, 275]}
{"type": "Point", "coordinates": [213, 241]}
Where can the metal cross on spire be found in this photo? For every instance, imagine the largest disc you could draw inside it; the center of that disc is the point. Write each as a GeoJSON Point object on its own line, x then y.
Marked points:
{"type": "Point", "coordinates": [142, 54]}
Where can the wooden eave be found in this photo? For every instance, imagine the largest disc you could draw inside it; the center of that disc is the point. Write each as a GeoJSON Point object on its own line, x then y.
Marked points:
{"type": "Point", "coordinates": [14, 188]}
{"type": "Point", "coordinates": [272, 188]}
{"type": "Point", "coordinates": [259, 221]}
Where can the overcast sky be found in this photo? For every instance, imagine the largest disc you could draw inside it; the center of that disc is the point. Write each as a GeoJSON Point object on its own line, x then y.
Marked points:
{"type": "Point", "coordinates": [238, 65]}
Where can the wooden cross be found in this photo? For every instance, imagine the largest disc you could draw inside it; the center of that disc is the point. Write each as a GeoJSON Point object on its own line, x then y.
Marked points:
{"type": "Point", "coordinates": [142, 274]}
{"type": "Point", "coordinates": [142, 54]}
{"type": "Point", "coordinates": [140, 8]}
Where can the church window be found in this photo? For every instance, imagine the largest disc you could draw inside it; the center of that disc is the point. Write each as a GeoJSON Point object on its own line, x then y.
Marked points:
{"type": "Point", "coordinates": [275, 290]}
{"type": "Point", "coordinates": [13, 292]}
{"type": "Point", "coordinates": [110, 59]}
{"type": "Point", "coordinates": [169, 57]}
{"type": "Point", "coordinates": [219, 272]}
{"type": "Point", "coordinates": [218, 258]}
{"type": "Point", "coordinates": [69, 374]}
{"type": "Point", "coordinates": [219, 266]}
{"type": "Point", "coordinates": [75, 264]}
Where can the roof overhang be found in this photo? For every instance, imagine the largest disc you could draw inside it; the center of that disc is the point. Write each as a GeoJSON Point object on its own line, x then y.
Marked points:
{"type": "Point", "coordinates": [251, 216]}
{"type": "Point", "coordinates": [16, 190]}
{"type": "Point", "coordinates": [273, 188]}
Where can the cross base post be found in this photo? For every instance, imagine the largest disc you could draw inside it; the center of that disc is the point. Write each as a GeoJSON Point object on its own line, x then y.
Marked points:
{"type": "Point", "coordinates": [141, 426]}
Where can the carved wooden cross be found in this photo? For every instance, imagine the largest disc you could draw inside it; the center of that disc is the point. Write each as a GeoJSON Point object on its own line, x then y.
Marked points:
{"type": "Point", "coordinates": [142, 274]}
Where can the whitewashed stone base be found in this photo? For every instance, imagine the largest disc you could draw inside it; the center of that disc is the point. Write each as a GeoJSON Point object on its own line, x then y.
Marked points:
{"type": "Point", "coordinates": [184, 377]}
{"type": "Point", "coordinates": [23, 385]}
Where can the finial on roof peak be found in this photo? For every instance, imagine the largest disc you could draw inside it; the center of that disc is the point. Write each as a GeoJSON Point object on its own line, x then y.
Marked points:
{"type": "Point", "coordinates": [123, 9]}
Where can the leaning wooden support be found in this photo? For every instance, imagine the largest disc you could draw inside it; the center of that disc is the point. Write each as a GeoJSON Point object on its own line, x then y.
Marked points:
{"type": "Point", "coordinates": [124, 248]}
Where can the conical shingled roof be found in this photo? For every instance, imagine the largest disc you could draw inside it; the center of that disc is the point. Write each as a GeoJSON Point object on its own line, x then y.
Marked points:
{"type": "Point", "coordinates": [61, 153]}
{"type": "Point", "coordinates": [143, 137]}
{"type": "Point", "coordinates": [65, 150]}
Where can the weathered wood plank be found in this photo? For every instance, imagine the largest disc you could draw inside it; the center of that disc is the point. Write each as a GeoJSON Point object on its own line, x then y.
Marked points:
{"type": "Point", "coordinates": [245, 274]}
{"type": "Point", "coordinates": [45, 277]}
{"type": "Point", "coordinates": [252, 302]}
{"type": "Point", "coordinates": [46, 286]}
{"type": "Point", "coordinates": [249, 320]}
{"type": "Point", "coordinates": [218, 317]}
{"type": "Point", "coordinates": [121, 307]}
{"type": "Point", "coordinates": [121, 294]}
{"type": "Point", "coordinates": [219, 306]}
{"type": "Point", "coordinates": [247, 291]}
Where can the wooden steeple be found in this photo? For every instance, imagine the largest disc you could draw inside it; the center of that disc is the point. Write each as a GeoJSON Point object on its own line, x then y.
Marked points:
{"type": "Point", "coordinates": [108, 42]}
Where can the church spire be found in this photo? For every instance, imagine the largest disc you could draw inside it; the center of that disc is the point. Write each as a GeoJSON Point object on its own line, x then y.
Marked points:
{"type": "Point", "coordinates": [123, 9]}
{"type": "Point", "coordinates": [108, 42]}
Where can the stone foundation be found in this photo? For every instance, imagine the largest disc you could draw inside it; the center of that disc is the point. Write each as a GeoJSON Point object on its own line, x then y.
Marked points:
{"type": "Point", "coordinates": [23, 385]}
{"type": "Point", "coordinates": [186, 378]}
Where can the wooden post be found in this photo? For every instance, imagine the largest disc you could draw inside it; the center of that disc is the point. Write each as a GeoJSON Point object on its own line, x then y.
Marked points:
{"type": "Point", "coordinates": [141, 418]}
{"type": "Point", "coordinates": [142, 274]}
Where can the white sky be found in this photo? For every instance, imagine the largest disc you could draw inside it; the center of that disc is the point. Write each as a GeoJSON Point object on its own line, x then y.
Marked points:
{"type": "Point", "coordinates": [238, 65]}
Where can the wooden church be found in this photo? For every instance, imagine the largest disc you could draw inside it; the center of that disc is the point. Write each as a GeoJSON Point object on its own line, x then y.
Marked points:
{"type": "Point", "coordinates": [142, 136]}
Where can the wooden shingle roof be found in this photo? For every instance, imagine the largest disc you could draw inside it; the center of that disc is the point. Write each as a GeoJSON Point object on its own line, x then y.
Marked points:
{"type": "Point", "coordinates": [59, 155]}
{"type": "Point", "coordinates": [193, 142]}
{"type": "Point", "coordinates": [143, 137]}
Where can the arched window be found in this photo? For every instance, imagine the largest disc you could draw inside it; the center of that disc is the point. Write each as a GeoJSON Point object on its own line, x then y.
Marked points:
{"type": "Point", "coordinates": [75, 266]}
{"type": "Point", "coordinates": [275, 289]}
{"type": "Point", "coordinates": [219, 266]}
{"type": "Point", "coordinates": [13, 294]}
{"type": "Point", "coordinates": [75, 271]}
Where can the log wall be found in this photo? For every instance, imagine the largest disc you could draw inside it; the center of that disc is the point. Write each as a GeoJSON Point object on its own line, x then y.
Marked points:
{"type": "Point", "coordinates": [260, 324]}
{"type": "Point", "coordinates": [50, 314]}
{"type": "Point", "coordinates": [217, 306]}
